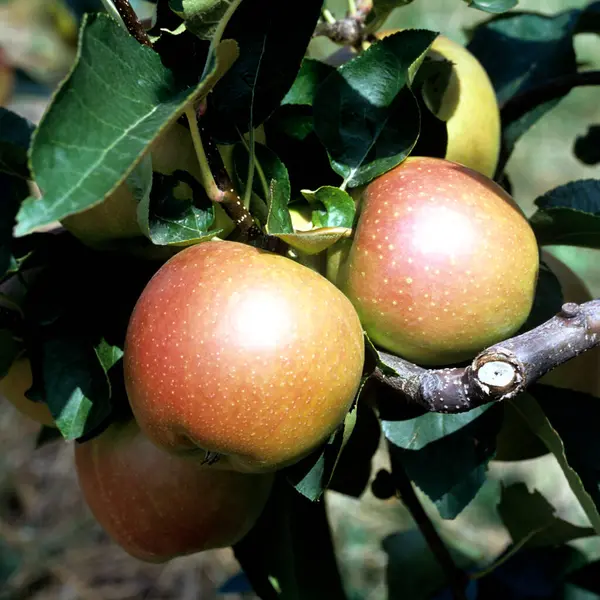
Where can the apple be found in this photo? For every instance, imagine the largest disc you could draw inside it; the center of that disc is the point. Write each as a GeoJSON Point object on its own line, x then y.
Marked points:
{"type": "Point", "coordinates": [443, 262]}
{"type": "Point", "coordinates": [158, 506]}
{"type": "Point", "coordinates": [109, 224]}
{"type": "Point", "coordinates": [13, 387]}
{"type": "Point", "coordinates": [244, 353]}
{"type": "Point", "coordinates": [468, 104]}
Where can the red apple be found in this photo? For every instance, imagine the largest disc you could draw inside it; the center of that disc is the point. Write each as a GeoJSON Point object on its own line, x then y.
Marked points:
{"type": "Point", "coordinates": [158, 506]}
{"type": "Point", "coordinates": [241, 352]}
{"type": "Point", "coordinates": [443, 262]}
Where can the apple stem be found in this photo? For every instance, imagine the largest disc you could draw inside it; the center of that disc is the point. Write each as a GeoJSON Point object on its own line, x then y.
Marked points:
{"type": "Point", "coordinates": [228, 197]}
{"type": "Point", "coordinates": [251, 167]}
{"type": "Point", "coordinates": [501, 371]}
{"type": "Point", "coordinates": [328, 16]}
{"type": "Point", "coordinates": [131, 22]}
{"type": "Point", "coordinates": [352, 8]}
{"type": "Point", "coordinates": [457, 579]}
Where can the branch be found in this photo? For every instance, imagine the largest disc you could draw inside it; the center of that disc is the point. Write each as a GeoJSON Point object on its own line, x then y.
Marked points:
{"type": "Point", "coordinates": [519, 105]}
{"type": "Point", "coordinates": [349, 31]}
{"type": "Point", "coordinates": [456, 578]}
{"type": "Point", "coordinates": [133, 24]}
{"type": "Point", "coordinates": [501, 371]}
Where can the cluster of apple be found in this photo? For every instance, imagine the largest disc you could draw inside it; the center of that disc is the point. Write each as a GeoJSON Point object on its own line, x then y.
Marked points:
{"type": "Point", "coordinates": [240, 362]}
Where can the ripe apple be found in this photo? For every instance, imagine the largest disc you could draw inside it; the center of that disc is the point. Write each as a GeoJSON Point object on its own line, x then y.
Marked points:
{"type": "Point", "coordinates": [468, 104]}
{"type": "Point", "coordinates": [241, 352]}
{"type": "Point", "coordinates": [108, 224]}
{"type": "Point", "coordinates": [13, 387]}
{"type": "Point", "coordinates": [443, 262]}
{"type": "Point", "coordinates": [158, 506]}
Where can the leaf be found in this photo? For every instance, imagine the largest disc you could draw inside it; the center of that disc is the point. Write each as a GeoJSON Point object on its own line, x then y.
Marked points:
{"type": "Point", "coordinates": [532, 521]}
{"type": "Point", "coordinates": [304, 89]}
{"type": "Point", "coordinates": [568, 454]}
{"type": "Point", "coordinates": [271, 53]}
{"type": "Point", "coordinates": [451, 469]}
{"type": "Point", "coordinates": [9, 350]}
{"type": "Point", "coordinates": [10, 562]}
{"type": "Point", "coordinates": [547, 301]}
{"type": "Point", "coordinates": [278, 555]}
{"type": "Point", "coordinates": [316, 240]}
{"type": "Point", "coordinates": [332, 207]}
{"type": "Point", "coordinates": [15, 136]}
{"type": "Point", "coordinates": [492, 6]}
{"type": "Point", "coordinates": [14, 190]}
{"type": "Point", "coordinates": [365, 114]}
{"type": "Point", "coordinates": [76, 387]}
{"type": "Point", "coordinates": [415, 434]}
{"type": "Point", "coordinates": [82, 150]}
{"type": "Point", "coordinates": [201, 16]}
{"type": "Point", "coordinates": [569, 215]}
{"type": "Point", "coordinates": [172, 216]}
{"type": "Point", "coordinates": [587, 147]}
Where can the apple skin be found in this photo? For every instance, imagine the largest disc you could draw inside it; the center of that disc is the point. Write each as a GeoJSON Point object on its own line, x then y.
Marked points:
{"type": "Point", "coordinates": [158, 506]}
{"type": "Point", "coordinates": [13, 387]}
{"type": "Point", "coordinates": [242, 352]}
{"type": "Point", "coordinates": [468, 106]}
{"type": "Point", "coordinates": [443, 262]}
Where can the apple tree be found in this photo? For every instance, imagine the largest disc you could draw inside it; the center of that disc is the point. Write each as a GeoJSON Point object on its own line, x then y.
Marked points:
{"type": "Point", "coordinates": [238, 273]}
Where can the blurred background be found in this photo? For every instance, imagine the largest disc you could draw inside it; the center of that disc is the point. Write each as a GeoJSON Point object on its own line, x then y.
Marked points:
{"type": "Point", "coordinates": [50, 546]}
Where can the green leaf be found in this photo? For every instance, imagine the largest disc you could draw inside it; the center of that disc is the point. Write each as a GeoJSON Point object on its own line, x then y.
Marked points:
{"type": "Point", "coordinates": [10, 562]}
{"type": "Point", "coordinates": [492, 6]}
{"type": "Point", "coordinates": [587, 147]}
{"type": "Point", "coordinates": [14, 190]}
{"type": "Point", "coordinates": [201, 16]}
{"type": "Point", "coordinates": [177, 210]}
{"type": "Point", "coordinates": [547, 301]}
{"type": "Point", "coordinates": [451, 469]}
{"type": "Point", "coordinates": [271, 53]}
{"type": "Point", "coordinates": [532, 521]}
{"type": "Point", "coordinates": [365, 114]}
{"type": "Point", "coordinates": [76, 387]}
{"type": "Point", "coordinates": [82, 149]}
{"type": "Point", "coordinates": [520, 51]}
{"type": "Point", "coordinates": [332, 207]}
{"type": "Point", "coordinates": [571, 419]}
{"type": "Point", "coordinates": [15, 136]}
{"type": "Point", "coordinates": [311, 75]}
{"type": "Point", "coordinates": [9, 350]}
{"type": "Point", "coordinates": [278, 555]}
{"type": "Point", "coordinates": [316, 240]}
{"type": "Point", "coordinates": [415, 434]}
{"type": "Point", "coordinates": [569, 215]}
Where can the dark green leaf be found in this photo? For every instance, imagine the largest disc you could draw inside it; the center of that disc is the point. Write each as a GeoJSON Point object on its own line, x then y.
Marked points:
{"type": "Point", "coordinates": [492, 6]}
{"type": "Point", "coordinates": [76, 387]}
{"type": "Point", "coordinates": [415, 434]}
{"type": "Point", "coordinates": [47, 435]}
{"type": "Point", "coordinates": [572, 416]}
{"type": "Point", "coordinates": [201, 16]}
{"type": "Point", "coordinates": [569, 215]}
{"type": "Point", "coordinates": [532, 521]}
{"type": "Point", "coordinates": [9, 350]}
{"type": "Point", "coordinates": [547, 301]}
{"type": "Point", "coordinates": [270, 183]}
{"type": "Point", "coordinates": [14, 191]}
{"type": "Point", "coordinates": [365, 114]}
{"type": "Point", "coordinates": [15, 136]}
{"type": "Point", "coordinates": [81, 151]}
{"type": "Point", "coordinates": [332, 207]}
{"type": "Point", "coordinates": [451, 467]}
{"type": "Point", "coordinates": [278, 555]}
{"type": "Point", "coordinates": [311, 75]}
{"type": "Point", "coordinates": [271, 52]}
{"type": "Point", "coordinates": [587, 147]}
{"type": "Point", "coordinates": [178, 210]}
{"type": "Point", "coordinates": [521, 51]}
{"type": "Point", "coordinates": [10, 562]}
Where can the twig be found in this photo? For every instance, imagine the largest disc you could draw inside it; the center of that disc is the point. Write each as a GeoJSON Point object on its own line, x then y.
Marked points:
{"type": "Point", "coordinates": [133, 24]}
{"type": "Point", "coordinates": [522, 103]}
{"type": "Point", "coordinates": [456, 578]}
{"type": "Point", "coordinates": [501, 371]}
{"type": "Point", "coordinates": [349, 31]}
